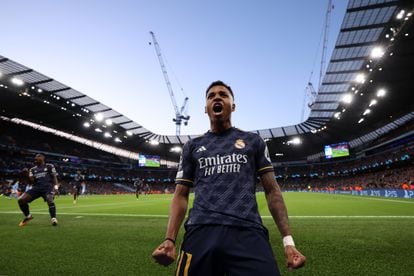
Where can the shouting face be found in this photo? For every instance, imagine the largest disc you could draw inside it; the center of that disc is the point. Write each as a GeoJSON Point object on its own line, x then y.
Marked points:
{"type": "Point", "coordinates": [219, 104]}
{"type": "Point", "coordinates": [39, 159]}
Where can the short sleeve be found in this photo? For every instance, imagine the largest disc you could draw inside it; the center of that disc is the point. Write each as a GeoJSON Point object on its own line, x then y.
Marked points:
{"type": "Point", "coordinates": [51, 169]}
{"type": "Point", "coordinates": [263, 162]}
{"type": "Point", "coordinates": [31, 172]}
{"type": "Point", "coordinates": [186, 168]}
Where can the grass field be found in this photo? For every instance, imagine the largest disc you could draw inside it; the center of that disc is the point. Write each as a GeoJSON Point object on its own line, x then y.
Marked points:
{"type": "Point", "coordinates": [115, 235]}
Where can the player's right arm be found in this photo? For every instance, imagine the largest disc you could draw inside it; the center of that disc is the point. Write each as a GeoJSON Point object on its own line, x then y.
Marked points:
{"type": "Point", "coordinates": [164, 254]}
{"type": "Point", "coordinates": [277, 207]}
{"type": "Point", "coordinates": [31, 176]}
{"type": "Point", "coordinates": [178, 210]}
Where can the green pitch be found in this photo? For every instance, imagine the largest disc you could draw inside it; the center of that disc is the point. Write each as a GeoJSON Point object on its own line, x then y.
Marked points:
{"type": "Point", "coordinates": [115, 235]}
{"type": "Point", "coordinates": [340, 152]}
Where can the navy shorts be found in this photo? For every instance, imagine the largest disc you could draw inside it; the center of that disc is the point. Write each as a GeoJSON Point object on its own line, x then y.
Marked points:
{"type": "Point", "coordinates": [226, 250]}
{"type": "Point", "coordinates": [37, 192]}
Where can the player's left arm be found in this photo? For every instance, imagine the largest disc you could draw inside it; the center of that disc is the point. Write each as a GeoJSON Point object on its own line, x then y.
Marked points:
{"type": "Point", "coordinates": [277, 208]}
{"type": "Point", "coordinates": [53, 173]}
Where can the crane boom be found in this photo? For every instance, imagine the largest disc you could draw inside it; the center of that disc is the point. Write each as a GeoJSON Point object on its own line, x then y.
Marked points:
{"type": "Point", "coordinates": [179, 113]}
{"type": "Point", "coordinates": [310, 92]}
{"type": "Point", "coordinates": [325, 42]}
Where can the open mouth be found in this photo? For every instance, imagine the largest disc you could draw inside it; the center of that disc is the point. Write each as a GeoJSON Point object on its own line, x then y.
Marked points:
{"type": "Point", "coordinates": [217, 108]}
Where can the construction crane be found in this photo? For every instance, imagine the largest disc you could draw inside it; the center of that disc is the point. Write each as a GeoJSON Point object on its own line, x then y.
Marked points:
{"type": "Point", "coordinates": [180, 113]}
{"type": "Point", "coordinates": [325, 41]}
{"type": "Point", "coordinates": [309, 98]}
{"type": "Point", "coordinates": [310, 92]}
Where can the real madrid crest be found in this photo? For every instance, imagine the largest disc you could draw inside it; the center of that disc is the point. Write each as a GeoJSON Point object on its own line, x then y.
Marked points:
{"type": "Point", "coordinates": [239, 144]}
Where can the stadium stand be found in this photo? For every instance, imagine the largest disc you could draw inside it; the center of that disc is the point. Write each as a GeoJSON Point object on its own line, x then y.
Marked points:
{"type": "Point", "coordinates": [18, 144]}
{"type": "Point", "coordinates": [384, 163]}
{"type": "Point", "coordinates": [378, 129]}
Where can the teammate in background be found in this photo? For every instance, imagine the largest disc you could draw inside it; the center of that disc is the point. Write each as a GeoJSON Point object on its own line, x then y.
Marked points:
{"type": "Point", "coordinates": [83, 190]}
{"type": "Point", "coordinates": [224, 232]}
{"type": "Point", "coordinates": [16, 190]}
{"type": "Point", "coordinates": [43, 177]}
{"type": "Point", "coordinates": [7, 191]}
{"type": "Point", "coordinates": [77, 186]}
{"type": "Point", "coordinates": [147, 189]}
{"type": "Point", "coordinates": [138, 185]}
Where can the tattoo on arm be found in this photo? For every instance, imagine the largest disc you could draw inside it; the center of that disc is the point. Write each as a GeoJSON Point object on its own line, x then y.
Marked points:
{"type": "Point", "coordinates": [178, 210]}
{"type": "Point", "coordinates": [276, 203]}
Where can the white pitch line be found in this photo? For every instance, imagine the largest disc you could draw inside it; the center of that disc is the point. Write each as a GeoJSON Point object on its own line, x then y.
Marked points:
{"type": "Point", "coordinates": [166, 216]}
{"type": "Point", "coordinates": [92, 214]}
{"type": "Point", "coordinates": [80, 205]}
{"type": "Point", "coordinates": [382, 199]}
{"type": "Point", "coordinates": [300, 217]}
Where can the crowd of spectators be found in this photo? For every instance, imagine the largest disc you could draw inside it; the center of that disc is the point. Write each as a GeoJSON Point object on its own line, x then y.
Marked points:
{"type": "Point", "coordinates": [104, 173]}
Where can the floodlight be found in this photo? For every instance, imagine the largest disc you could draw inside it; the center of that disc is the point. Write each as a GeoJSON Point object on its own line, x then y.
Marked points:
{"type": "Point", "coordinates": [86, 124]}
{"type": "Point", "coordinates": [176, 149]}
{"type": "Point", "coordinates": [373, 102]}
{"type": "Point", "coordinates": [107, 134]}
{"type": "Point", "coordinates": [377, 52]}
{"type": "Point", "coordinates": [294, 141]}
{"type": "Point", "coordinates": [154, 142]}
{"type": "Point", "coordinates": [337, 114]}
{"type": "Point", "coordinates": [347, 98]}
{"type": "Point", "coordinates": [129, 133]}
{"type": "Point", "coordinates": [108, 122]}
{"type": "Point", "coordinates": [117, 140]}
{"type": "Point", "coordinates": [381, 92]}
{"type": "Point", "coordinates": [98, 129]}
{"type": "Point", "coordinates": [400, 15]}
{"type": "Point", "coordinates": [360, 78]}
{"type": "Point", "coordinates": [99, 117]}
{"type": "Point", "coordinates": [17, 81]}
{"type": "Point", "coordinates": [360, 120]}
{"type": "Point", "coordinates": [367, 111]}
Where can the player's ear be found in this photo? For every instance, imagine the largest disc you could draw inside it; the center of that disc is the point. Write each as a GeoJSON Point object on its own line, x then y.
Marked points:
{"type": "Point", "coordinates": [205, 109]}
{"type": "Point", "coordinates": [233, 107]}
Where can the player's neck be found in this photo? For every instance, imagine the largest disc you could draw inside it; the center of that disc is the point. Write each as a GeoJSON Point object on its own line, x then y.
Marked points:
{"type": "Point", "coordinates": [220, 126]}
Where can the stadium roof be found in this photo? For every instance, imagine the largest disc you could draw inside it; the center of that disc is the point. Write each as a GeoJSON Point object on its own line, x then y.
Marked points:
{"type": "Point", "coordinates": [384, 28]}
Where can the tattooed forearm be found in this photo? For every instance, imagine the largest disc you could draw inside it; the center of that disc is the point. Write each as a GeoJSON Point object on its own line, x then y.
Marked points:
{"type": "Point", "coordinates": [276, 203]}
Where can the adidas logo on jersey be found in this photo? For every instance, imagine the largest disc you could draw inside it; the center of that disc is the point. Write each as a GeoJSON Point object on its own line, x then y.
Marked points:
{"type": "Point", "coordinates": [200, 149]}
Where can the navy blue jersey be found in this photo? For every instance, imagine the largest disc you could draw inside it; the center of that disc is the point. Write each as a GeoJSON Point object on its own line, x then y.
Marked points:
{"type": "Point", "coordinates": [223, 168]}
{"type": "Point", "coordinates": [43, 175]}
{"type": "Point", "coordinates": [139, 184]}
{"type": "Point", "coordinates": [78, 178]}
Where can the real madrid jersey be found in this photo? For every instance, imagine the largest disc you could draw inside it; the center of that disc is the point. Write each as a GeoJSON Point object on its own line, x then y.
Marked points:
{"type": "Point", "coordinates": [223, 168]}
{"type": "Point", "coordinates": [43, 175]}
